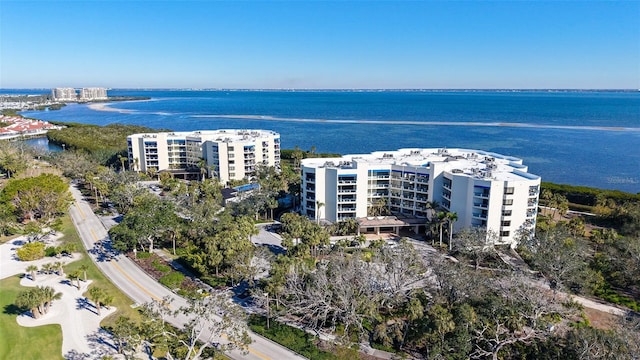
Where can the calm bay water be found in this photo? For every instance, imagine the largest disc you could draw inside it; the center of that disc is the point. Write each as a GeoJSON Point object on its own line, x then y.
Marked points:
{"type": "Point", "coordinates": [579, 138]}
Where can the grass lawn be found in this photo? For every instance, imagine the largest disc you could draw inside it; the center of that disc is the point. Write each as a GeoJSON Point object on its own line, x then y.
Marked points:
{"type": "Point", "coordinates": [18, 342]}
{"type": "Point", "coordinates": [45, 342]}
{"type": "Point", "coordinates": [120, 300]}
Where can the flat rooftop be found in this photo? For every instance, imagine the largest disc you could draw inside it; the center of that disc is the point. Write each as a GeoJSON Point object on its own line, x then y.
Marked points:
{"type": "Point", "coordinates": [214, 135]}
{"type": "Point", "coordinates": [474, 163]}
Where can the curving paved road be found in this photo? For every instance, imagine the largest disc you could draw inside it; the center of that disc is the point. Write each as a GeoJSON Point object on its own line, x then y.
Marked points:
{"type": "Point", "coordinates": [141, 288]}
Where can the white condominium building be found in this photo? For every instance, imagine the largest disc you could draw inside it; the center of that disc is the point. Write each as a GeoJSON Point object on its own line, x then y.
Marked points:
{"type": "Point", "coordinates": [227, 154]}
{"type": "Point", "coordinates": [93, 93]}
{"type": "Point", "coordinates": [485, 189]}
{"type": "Point", "coordinates": [86, 94]}
{"type": "Point", "coordinates": [64, 94]}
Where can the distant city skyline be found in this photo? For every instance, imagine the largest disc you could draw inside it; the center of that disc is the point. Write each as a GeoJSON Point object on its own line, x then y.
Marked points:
{"type": "Point", "coordinates": [320, 44]}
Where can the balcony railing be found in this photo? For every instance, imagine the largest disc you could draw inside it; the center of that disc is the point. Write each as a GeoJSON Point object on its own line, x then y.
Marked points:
{"type": "Point", "coordinates": [346, 191]}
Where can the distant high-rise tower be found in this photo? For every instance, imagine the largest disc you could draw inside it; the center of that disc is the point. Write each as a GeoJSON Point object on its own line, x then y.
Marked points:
{"type": "Point", "coordinates": [94, 93]}
{"type": "Point", "coordinates": [64, 94]}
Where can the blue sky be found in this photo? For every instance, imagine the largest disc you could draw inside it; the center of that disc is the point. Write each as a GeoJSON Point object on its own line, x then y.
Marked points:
{"type": "Point", "coordinates": [320, 44]}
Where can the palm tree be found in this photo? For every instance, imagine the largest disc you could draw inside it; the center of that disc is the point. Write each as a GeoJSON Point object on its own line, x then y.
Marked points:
{"type": "Point", "coordinates": [319, 204]}
{"type": "Point", "coordinates": [57, 267]}
{"type": "Point", "coordinates": [122, 161]}
{"type": "Point", "coordinates": [451, 218]}
{"type": "Point", "coordinates": [84, 268]}
{"type": "Point", "coordinates": [432, 229]}
{"type": "Point", "coordinates": [47, 295]}
{"type": "Point", "coordinates": [97, 295]}
{"type": "Point", "coordinates": [272, 203]}
{"type": "Point", "coordinates": [74, 275]}
{"type": "Point", "coordinates": [297, 155]}
{"type": "Point", "coordinates": [32, 271]}
{"type": "Point", "coordinates": [440, 220]}
{"type": "Point", "coordinates": [29, 299]}
{"type": "Point", "coordinates": [47, 268]}
{"type": "Point", "coordinates": [433, 206]}
{"type": "Point", "coordinates": [202, 165]}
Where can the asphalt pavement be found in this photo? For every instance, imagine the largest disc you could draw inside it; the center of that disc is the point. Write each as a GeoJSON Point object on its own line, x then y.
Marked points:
{"type": "Point", "coordinates": [142, 288]}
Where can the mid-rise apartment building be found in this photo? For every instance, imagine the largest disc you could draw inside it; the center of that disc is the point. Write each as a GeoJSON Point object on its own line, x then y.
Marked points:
{"type": "Point", "coordinates": [227, 154]}
{"type": "Point", "coordinates": [485, 189]}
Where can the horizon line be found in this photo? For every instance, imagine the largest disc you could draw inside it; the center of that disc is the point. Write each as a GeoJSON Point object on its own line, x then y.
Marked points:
{"type": "Point", "coordinates": [331, 89]}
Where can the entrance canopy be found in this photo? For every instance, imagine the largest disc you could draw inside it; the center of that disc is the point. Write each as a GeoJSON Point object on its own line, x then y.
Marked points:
{"type": "Point", "coordinates": [389, 223]}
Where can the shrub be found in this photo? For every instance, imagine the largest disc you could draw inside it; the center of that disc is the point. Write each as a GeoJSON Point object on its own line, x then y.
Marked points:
{"type": "Point", "coordinates": [216, 282]}
{"type": "Point", "coordinates": [160, 267]}
{"type": "Point", "coordinates": [172, 280]}
{"type": "Point", "coordinates": [31, 251]}
{"type": "Point", "coordinates": [293, 338]}
{"type": "Point", "coordinates": [51, 251]}
{"type": "Point", "coordinates": [613, 297]}
{"type": "Point", "coordinates": [143, 255]}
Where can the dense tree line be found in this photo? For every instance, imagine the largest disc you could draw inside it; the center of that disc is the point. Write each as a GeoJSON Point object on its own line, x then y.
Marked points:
{"type": "Point", "coordinates": [585, 195]}
{"type": "Point", "coordinates": [598, 253]}
{"type": "Point", "coordinates": [103, 143]}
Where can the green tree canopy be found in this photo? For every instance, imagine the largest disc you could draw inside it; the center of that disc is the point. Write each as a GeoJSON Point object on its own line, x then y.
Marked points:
{"type": "Point", "coordinates": [40, 198]}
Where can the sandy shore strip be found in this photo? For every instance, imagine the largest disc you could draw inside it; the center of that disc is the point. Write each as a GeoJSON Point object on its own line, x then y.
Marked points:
{"type": "Point", "coordinates": [421, 123]}
{"type": "Point", "coordinates": [106, 107]}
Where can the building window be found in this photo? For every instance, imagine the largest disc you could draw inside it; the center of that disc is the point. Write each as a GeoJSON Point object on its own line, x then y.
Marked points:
{"type": "Point", "coordinates": [506, 212]}
{"type": "Point", "coordinates": [504, 233]}
{"type": "Point", "coordinates": [507, 202]}
{"type": "Point", "coordinates": [506, 223]}
{"type": "Point", "coordinates": [508, 191]}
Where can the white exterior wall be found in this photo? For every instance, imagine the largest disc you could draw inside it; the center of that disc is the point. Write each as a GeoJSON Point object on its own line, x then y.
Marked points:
{"type": "Point", "coordinates": [362, 190]}
{"type": "Point", "coordinates": [212, 146]}
{"type": "Point", "coordinates": [93, 93]}
{"type": "Point", "coordinates": [470, 183]}
{"type": "Point", "coordinates": [65, 94]}
{"type": "Point", "coordinates": [328, 194]}
{"type": "Point", "coordinates": [496, 205]}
